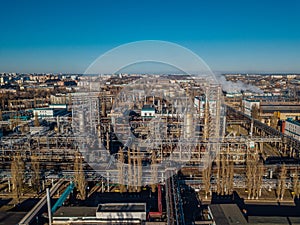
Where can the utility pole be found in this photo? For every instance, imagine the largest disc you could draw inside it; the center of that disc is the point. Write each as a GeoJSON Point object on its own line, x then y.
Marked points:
{"type": "Point", "coordinates": [49, 206]}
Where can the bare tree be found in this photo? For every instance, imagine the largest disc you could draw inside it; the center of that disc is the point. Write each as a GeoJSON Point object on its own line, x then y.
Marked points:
{"type": "Point", "coordinates": [296, 185]}
{"type": "Point", "coordinates": [36, 120]}
{"type": "Point", "coordinates": [17, 174]}
{"type": "Point", "coordinates": [281, 186]}
{"type": "Point", "coordinates": [121, 170]}
{"type": "Point", "coordinates": [230, 174]}
{"type": "Point", "coordinates": [225, 172]}
{"type": "Point", "coordinates": [255, 112]}
{"type": "Point", "coordinates": [250, 174]}
{"type": "Point", "coordinates": [79, 176]}
{"type": "Point", "coordinates": [206, 179]}
{"type": "Point", "coordinates": [274, 120]}
{"type": "Point", "coordinates": [254, 174]}
{"type": "Point", "coordinates": [35, 166]}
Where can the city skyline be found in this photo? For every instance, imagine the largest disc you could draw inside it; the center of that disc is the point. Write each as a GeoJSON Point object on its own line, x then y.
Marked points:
{"type": "Point", "coordinates": [252, 36]}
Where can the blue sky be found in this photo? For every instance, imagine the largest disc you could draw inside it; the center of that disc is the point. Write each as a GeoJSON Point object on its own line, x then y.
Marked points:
{"type": "Point", "coordinates": [67, 35]}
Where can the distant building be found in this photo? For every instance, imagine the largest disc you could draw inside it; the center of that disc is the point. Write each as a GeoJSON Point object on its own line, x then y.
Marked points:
{"type": "Point", "coordinates": [38, 130]}
{"type": "Point", "coordinates": [233, 94]}
{"type": "Point", "coordinates": [267, 109]}
{"type": "Point", "coordinates": [292, 128]}
{"type": "Point", "coordinates": [60, 99]}
{"type": "Point", "coordinates": [48, 112]}
{"type": "Point", "coordinates": [58, 106]}
{"type": "Point", "coordinates": [148, 111]}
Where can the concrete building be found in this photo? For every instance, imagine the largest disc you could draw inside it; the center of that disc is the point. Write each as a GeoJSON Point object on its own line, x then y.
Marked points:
{"type": "Point", "coordinates": [60, 99]}
{"type": "Point", "coordinates": [58, 106]}
{"type": "Point", "coordinates": [226, 214]}
{"type": "Point", "coordinates": [199, 103]}
{"type": "Point", "coordinates": [283, 110]}
{"type": "Point", "coordinates": [122, 211]}
{"type": "Point", "coordinates": [148, 111]}
{"type": "Point", "coordinates": [292, 128]}
{"type": "Point", "coordinates": [248, 104]}
{"type": "Point", "coordinates": [108, 213]}
{"type": "Point", "coordinates": [48, 112]}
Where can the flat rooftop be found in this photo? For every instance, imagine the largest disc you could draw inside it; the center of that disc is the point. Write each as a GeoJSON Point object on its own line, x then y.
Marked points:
{"type": "Point", "coordinates": [76, 211]}
{"type": "Point", "coordinates": [11, 218]}
{"type": "Point", "coordinates": [122, 207]}
{"type": "Point", "coordinates": [227, 214]}
{"type": "Point", "coordinates": [272, 220]}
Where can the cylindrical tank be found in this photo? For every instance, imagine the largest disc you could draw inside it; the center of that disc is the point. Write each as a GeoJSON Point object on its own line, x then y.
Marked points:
{"type": "Point", "coordinates": [188, 125]}
{"type": "Point", "coordinates": [81, 121]}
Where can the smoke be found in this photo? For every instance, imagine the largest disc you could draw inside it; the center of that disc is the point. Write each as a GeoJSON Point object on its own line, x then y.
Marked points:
{"type": "Point", "coordinates": [238, 86]}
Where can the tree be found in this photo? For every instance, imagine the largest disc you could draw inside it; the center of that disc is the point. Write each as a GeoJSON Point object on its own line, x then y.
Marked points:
{"type": "Point", "coordinates": [206, 179]}
{"type": "Point", "coordinates": [121, 170]}
{"type": "Point", "coordinates": [35, 166]}
{"type": "Point", "coordinates": [281, 185]}
{"type": "Point", "coordinates": [17, 174]}
{"type": "Point", "coordinates": [79, 176]}
{"type": "Point", "coordinates": [255, 112]}
{"type": "Point", "coordinates": [296, 185]}
{"type": "Point", "coordinates": [36, 120]}
{"type": "Point", "coordinates": [274, 120]}
{"type": "Point", "coordinates": [254, 174]}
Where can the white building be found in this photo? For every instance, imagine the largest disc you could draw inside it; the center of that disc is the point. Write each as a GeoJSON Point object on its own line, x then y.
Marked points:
{"type": "Point", "coordinates": [107, 213]}
{"type": "Point", "coordinates": [248, 104]}
{"type": "Point", "coordinates": [122, 211]}
{"type": "Point", "coordinates": [148, 111]}
{"type": "Point", "coordinates": [199, 103]}
{"type": "Point", "coordinates": [48, 112]}
{"type": "Point", "coordinates": [292, 128]}
{"type": "Point", "coordinates": [58, 106]}
{"type": "Point", "coordinates": [43, 112]}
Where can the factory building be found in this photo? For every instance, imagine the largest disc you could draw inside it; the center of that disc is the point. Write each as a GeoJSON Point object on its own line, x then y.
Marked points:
{"type": "Point", "coordinates": [292, 128]}
{"type": "Point", "coordinates": [248, 105]}
{"type": "Point", "coordinates": [107, 213]}
{"type": "Point", "coordinates": [49, 112]}
{"type": "Point", "coordinates": [148, 111]}
{"type": "Point", "coordinates": [267, 110]}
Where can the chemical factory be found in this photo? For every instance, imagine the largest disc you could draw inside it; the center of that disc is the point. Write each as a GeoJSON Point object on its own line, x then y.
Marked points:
{"type": "Point", "coordinates": [149, 149]}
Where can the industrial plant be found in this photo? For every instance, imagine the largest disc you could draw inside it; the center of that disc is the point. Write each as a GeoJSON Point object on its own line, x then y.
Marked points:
{"type": "Point", "coordinates": [148, 149]}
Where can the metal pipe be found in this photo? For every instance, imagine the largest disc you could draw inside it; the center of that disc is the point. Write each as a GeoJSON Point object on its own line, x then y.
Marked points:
{"type": "Point", "coordinates": [49, 206]}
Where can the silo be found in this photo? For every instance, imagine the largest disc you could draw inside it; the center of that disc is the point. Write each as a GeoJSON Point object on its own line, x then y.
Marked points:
{"type": "Point", "coordinates": [81, 121]}
{"type": "Point", "coordinates": [188, 125]}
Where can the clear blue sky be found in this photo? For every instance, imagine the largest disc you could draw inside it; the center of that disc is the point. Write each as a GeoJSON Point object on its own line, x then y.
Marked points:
{"type": "Point", "coordinates": [230, 35]}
